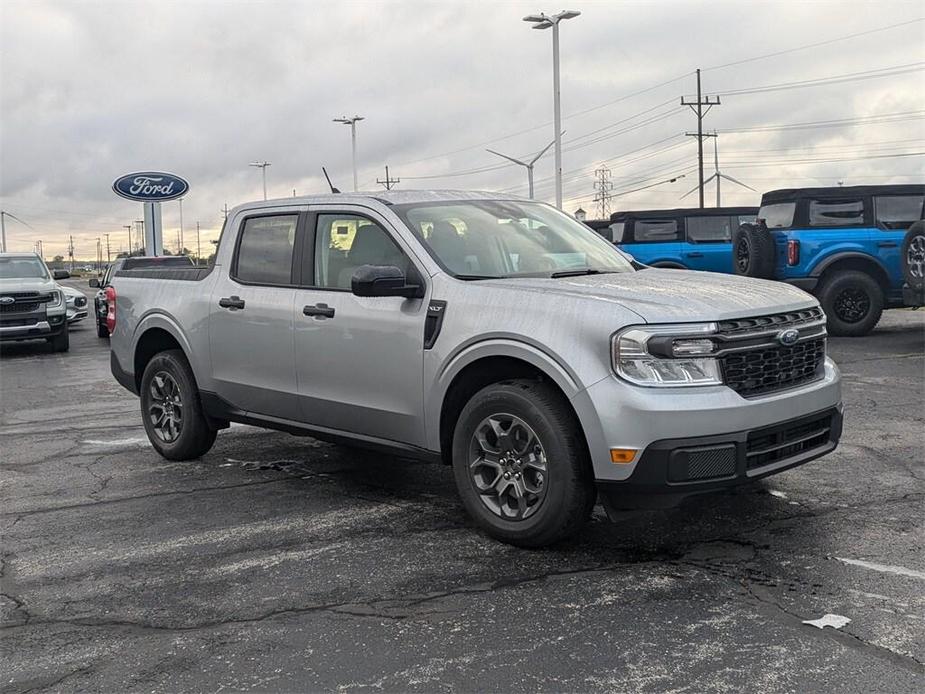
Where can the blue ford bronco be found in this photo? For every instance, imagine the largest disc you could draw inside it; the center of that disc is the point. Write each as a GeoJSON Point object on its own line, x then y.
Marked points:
{"type": "Point", "coordinates": [682, 239]}
{"type": "Point", "coordinates": [851, 247]}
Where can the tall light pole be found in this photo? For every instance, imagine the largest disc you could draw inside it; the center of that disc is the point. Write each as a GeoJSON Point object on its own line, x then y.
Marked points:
{"type": "Point", "coordinates": [181, 224]}
{"type": "Point", "coordinates": [542, 21]}
{"type": "Point", "coordinates": [129, 228]}
{"type": "Point", "coordinates": [526, 164]}
{"type": "Point", "coordinates": [352, 122]}
{"type": "Point", "coordinates": [262, 165]}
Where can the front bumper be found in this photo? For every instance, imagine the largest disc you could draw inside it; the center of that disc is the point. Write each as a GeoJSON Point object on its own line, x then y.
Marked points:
{"type": "Point", "coordinates": [674, 468]}
{"type": "Point", "coordinates": [31, 326]}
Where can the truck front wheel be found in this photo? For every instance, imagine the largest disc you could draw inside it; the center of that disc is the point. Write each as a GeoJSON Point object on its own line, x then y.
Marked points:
{"type": "Point", "coordinates": [170, 408]}
{"type": "Point", "coordinates": [521, 464]}
{"type": "Point", "coordinates": [852, 301]}
{"type": "Point", "coordinates": [62, 341]}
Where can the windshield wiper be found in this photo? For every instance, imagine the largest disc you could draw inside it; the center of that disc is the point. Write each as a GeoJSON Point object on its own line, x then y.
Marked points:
{"type": "Point", "coordinates": [576, 272]}
{"type": "Point", "coordinates": [478, 277]}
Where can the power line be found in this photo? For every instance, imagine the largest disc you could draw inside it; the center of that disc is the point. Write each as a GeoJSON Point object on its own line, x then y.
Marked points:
{"type": "Point", "coordinates": [832, 79]}
{"type": "Point", "coordinates": [837, 122]}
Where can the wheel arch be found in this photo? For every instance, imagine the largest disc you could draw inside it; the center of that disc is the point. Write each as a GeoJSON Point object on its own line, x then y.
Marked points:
{"type": "Point", "coordinates": [860, 262]}
{"type": "Point", "coordinates": [156, 333]}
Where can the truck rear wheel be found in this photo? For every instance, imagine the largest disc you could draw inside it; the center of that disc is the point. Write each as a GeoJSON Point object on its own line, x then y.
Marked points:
{"type": "Point", "coordinates": [101, 329]}
{"type": "Point", "coordinates": [521, 465]}
{"type": "Point", "coordinates": [852, 301]}
{"type": "Point", "coordinates": [753, 253]}
{"type": "Point", "coordinates": [170, 408]}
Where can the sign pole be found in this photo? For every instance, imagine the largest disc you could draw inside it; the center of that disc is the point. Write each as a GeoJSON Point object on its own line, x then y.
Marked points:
{"type": "Point", "coordinates": [154, 233]}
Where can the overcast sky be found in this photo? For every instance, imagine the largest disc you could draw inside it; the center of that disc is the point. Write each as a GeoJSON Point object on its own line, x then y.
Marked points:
{"type": "Point", "coordinates": [92, 90]}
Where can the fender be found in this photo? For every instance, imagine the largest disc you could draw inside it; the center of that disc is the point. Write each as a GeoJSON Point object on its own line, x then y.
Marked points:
{"type": "Point", "coordinates": [534, 355]}
{"type": "Point", "coordinates": [829, 260]}
{"type": "Point", "coordinates": [155, 318]}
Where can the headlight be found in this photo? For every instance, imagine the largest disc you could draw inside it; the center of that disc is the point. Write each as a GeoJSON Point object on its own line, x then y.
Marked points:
{"type": "Point", "coordinates": [666, 355]}
{"type": "Point", "coordinates": [57, 297]}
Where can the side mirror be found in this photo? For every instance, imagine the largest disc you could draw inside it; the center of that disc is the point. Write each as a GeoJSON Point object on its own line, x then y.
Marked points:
{"type": "Point", "coordinates": [95, 283]}
{"type": "Point", "coordinates": [383, 280]}
{"type": "Point", "coordinates": [60, 274]}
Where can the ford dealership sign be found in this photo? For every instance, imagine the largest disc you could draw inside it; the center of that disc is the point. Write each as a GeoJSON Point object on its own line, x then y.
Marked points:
{"type": "Point", "coordinates": [150, 186]}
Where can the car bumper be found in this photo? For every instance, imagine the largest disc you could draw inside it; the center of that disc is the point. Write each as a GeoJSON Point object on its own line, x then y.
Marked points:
{"type": "Point", "coordinates": [31, 328]}
{"type": "Point", "coordinates": [74, 315]}
{"type": "Point", "coordinates": [617, 415]}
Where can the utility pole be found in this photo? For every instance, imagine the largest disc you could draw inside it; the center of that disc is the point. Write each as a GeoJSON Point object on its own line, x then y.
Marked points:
{"type": "Point", "coordinates": [99, 254]}
{"type": "Point", "coordinates": [140, 234]}
{"type": "Point", "coordinates": [388, 182]}
{"type": "Point", "coordinates": [604, 187]}
{"type": "Point", "coordinates": [262, 165]}
{"type": "Point", "coordinates": [224, 211]}
{"type": "Point", "coordinates": [129, 227]}
{"type": "Point", "coordinates": [108, 260]}
{"type": "Point", "coordinates": [70, 251]}
{"type": "Point", "coordinates": [697, 108]}
{"type": "Point", "coordinates": [198, 247]}
{"type": "Point", "coordinates": [181, 223]}
{"type": "Point", "coordinates": [3, 230]}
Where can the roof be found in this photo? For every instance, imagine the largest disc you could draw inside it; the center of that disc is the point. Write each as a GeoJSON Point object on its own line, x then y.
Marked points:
{"type": "Point", "coordinates": [21, 254]}
{"type": "Point", "coordinates": [681, 212]}
{"type": "Point", "coordinates": [841, 192]}
{"type": "Point", "coordinates": [386, 197]}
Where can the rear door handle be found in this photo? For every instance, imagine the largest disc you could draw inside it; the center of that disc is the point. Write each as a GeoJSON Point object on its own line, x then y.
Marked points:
{"type": "Point", "coordinates": [887, 244]}
{"type": "Point", "coordinates": [231, 302]}
{"type": "Point", "coordinates": [694, 255]}
{"type": "Point", "coordinates": [318, 311]}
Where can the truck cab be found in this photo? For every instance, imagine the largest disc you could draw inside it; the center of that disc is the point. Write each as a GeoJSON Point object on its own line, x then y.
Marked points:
{"type": "Point", "coordinates": [682, 239]}
{"type": "Point", "coordinates": [842, 244]}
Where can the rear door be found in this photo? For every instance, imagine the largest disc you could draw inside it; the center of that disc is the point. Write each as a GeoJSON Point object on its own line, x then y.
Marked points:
{"type": "Point", "coordinates": [893, 215]}
{"type": "Point", "coordinates": [250, 321]}
{"type": "Point", "coordinates": [359, 360]}
{"type": "Point", "coordinates": [708, 242]}
{"type": "Point", "coordinates": [654, 241]}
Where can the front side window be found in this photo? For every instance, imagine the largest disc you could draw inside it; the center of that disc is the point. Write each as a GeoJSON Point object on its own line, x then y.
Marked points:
{"type": "Point", "coordinates": [481, 239]}
{"type": "Point", "coordinates": [345, 242]}
{"type": "Point", "coordinates": [655, 230]}
{"type": "Point", "coordinates": [778, 215]}
{"type": "Point", "coordinates": [716, 229]}
{"type": "Point", "coordinates": [616, 232]}
{"type": "Point", "coordinates": [22, 268]}
{"type": "Point", "coordinates": [836, 213]}
{"type": "Point", "coordinates": [265, 250]}
{"type": "Point", "coordinates": [897, 211]}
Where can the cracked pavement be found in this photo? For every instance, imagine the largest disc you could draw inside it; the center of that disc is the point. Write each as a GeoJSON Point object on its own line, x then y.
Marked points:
{"type": "Point", "coordinates": [278, 563]}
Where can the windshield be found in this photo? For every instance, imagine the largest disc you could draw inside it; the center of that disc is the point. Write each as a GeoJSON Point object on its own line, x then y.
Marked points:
{"type": "Point", "coordinates": [31, 268]}
{"type": "Point", "coordinates": [482, 239]}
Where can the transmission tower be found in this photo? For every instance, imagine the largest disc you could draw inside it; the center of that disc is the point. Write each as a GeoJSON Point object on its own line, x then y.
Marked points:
{"type": "Point", "coordinates": [697, 108]}
{"type": "Point", "coordinates": [604, 187]}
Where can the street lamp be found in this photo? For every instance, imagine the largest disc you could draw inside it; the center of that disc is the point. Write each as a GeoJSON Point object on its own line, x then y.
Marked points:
{"type": "Point", "coordinates": [352, 122]}
{"type": "Point", "coordinates": [542, 21]}
{"type": "Point", "coordinates": [262, 165]}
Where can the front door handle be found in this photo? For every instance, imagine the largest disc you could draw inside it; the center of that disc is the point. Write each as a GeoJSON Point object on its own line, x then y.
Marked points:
{"type": "Point", "coordinates": [318, 311]}
{"type": "Point", "coordinates": [694, 255]}
{"type": "Point", "coordinates": [231, 302]}
{"type": "Point", "coordinates": [887, 244]}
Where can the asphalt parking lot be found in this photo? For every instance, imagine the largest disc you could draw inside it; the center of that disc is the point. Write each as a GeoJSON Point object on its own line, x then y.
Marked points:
{"type": "Point", "coordinates": [284, 564]}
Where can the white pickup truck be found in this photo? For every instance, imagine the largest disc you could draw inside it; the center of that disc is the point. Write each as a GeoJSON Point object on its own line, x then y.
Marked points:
{"type": "Point", "coordinates": [496, 334]}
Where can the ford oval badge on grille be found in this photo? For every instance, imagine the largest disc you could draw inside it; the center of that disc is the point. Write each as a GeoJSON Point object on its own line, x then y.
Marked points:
{"type": "Point", "coordinates": [150, 186]}
{"type": "Point", "coordinates": [788, 337]}
{"type": "Point", "coordinates": [7, 300]}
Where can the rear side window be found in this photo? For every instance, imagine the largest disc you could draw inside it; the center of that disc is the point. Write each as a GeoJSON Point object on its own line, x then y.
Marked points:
{"type": "Point", "coordinates": [265, 250]}
{"type": "Point", "coordinates": [897, 211]}
{"type": "Point", "coordinates": [779, 215]}
{"type": "Point", "coordinates": [716, 229]}
{"type": "Point", "coordinates": [836, 213]}
{"type": "Point", "coordinates": [655, 230]}
{"type": "Point", "coordinates": [616, 232]}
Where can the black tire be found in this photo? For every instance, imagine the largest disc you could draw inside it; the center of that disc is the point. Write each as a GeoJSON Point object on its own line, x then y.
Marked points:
{"type": "Point", "coordinates": [913, 256]}
{"type": "Point", "coordinates": [62, 341]}
{"type": "Point", "coordinates": [101, 329]}
{"type": "Point", "coordinates": [567, 483]}
{"type": "Point", "coordinates": [753, 252]}
{"type": "Point", "coordinates": [852, 301]}
{"type": "Point", "coordinates": [195, 437]}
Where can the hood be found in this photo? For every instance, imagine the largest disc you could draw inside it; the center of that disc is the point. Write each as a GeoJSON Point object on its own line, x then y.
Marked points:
{"type": "Point", "coordinates": [674, 296]}
{"type": "Point", "coordinates": [26, 284]}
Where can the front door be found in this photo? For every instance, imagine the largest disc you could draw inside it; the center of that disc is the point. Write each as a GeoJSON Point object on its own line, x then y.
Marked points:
{"type": "Point", "coordinates": [358, 360]}
{"type": "Point", "coordinates": [250, 320]}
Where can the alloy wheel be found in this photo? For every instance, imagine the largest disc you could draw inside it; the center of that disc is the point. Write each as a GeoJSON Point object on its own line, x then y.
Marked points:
{"type": "Point", "coordinates": [852, 305]}
{"type": "Point", "coordinates": [915, 257]}
{"type": "Point", "coordinates": [507, 466]}
{"type": "Point", "coordinates": [165, 407]}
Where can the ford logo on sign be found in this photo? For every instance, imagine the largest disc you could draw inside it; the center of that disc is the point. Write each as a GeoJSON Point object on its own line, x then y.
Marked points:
{"type": "Point", "coordinates": [150, 186]}
{"type": "Point", "coordinates": [788, 337]}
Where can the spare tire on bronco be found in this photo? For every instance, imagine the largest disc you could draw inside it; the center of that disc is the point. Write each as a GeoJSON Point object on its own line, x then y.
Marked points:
{"type": "Point", "coordinates": [913, 256]}
{"type": "Point", "coordinates": [753, 251]}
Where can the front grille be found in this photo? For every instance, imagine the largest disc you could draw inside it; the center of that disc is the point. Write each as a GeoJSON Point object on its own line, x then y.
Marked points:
{"type": "Point", "coordinates": [740, 327]}
{"type": "Point", "coordinates": [18, 322]}
{"type": "Point", "coordinates": [774, 368]}
{"type": "Point", "coordinates": [703, 463]}
{"type": "Point", "coordinates": [774, 444]}
{"type": "Point", "coordinates": [23, 302]}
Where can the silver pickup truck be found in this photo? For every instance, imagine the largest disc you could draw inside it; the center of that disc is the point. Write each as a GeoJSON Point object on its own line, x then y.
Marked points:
{"type": "Point", "coordinates": [32, 305]}
{"type": "Point", "coordinates": [496, 334]}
